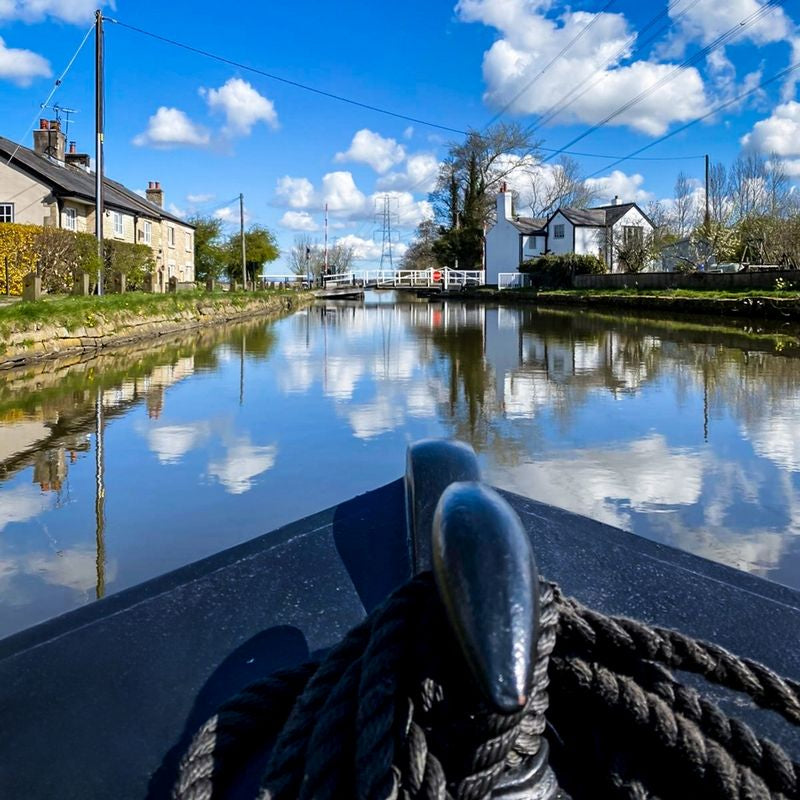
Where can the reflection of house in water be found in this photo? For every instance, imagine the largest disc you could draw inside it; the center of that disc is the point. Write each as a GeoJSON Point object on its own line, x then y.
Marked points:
{"type": "Point", "coordinates": [61, 425]}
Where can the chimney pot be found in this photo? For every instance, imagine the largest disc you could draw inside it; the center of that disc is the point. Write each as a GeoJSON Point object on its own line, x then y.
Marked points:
{"type": "Point", "coordinates": [43, 124]}
{"type": "Point", "coordinates": [616, 200]}
{"type": "Point", "coordinates": [55, 125]}
{"type": "Point", "coordinates": [73, 147]}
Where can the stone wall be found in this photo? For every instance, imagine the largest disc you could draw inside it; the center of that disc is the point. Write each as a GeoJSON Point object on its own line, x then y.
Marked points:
{"type": "Point", "coordinates": [28, 345]}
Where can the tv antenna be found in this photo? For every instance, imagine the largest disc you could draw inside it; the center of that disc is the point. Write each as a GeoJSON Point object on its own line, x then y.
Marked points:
{"type": "Point", "coordinates": [67, 114]}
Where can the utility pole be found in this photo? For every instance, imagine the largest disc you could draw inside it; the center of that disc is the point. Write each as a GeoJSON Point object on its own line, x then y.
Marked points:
{"type": "Point", "coordinates": [99, 210]}
{"type": "Point", "coordinates": [244, 243]}
{"type": "Point", "coordinates": [325, 273]}
{"type": "Point", "coordinates": [708, 215]}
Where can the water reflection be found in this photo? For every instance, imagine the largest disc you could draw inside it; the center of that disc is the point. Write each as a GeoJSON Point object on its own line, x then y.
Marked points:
{"type": "Point", "coordinates": [118, 468]}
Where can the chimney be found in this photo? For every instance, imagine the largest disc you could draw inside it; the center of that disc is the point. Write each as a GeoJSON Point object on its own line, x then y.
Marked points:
{"type": "Point", "coordinates": [155, 194]}
{"type": "Point", "coordinates": [615, 201]}
{"type": "Point", "coordinates": [49, 140]}
{"type": "Point", "coordinates": [504, 199]}
{"type": "Point", "coordinates": [76, 159]}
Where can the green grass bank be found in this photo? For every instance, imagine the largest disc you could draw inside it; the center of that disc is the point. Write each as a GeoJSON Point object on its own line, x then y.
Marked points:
{"type": "Point", "coordinates": [56, 326]}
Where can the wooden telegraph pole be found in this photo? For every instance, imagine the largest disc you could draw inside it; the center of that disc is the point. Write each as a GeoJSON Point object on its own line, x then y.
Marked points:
{"type": "Point", "coordinates": [99, 211]}
{"type": "Point", "coordinates": [244, 243]}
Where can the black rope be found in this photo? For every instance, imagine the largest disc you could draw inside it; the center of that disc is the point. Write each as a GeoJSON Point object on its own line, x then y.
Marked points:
{"type": "Point", "coordinates": [392, 712]}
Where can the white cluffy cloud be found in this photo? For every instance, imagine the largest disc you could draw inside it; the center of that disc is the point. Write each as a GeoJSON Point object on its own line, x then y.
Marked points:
{"type": "Point", "coordinates": [371, 148]}
{"type": "Point", "coordinates": [243, 462]}
{"type": "Point", "coordinates": [199, 199]}
{"type": "Point", "coordinates": [420, 175]}
{"type": "Point", "coordinates": [345, 200]}
{"type": "Point", "coordinates": [627, 187]}
{"type": "Point", "coordinates": [298, 221]}
{"type": "Point", "coordinates": [778, 134]}
{"type": "Point", "coordinates": [74, 11]}
{"type": "Point", "coordinates": [171, 127]}
{"type": "Point", "coordinates": [21, 66]}
{"type": "Point", "coordinates": [530, 40]}
{"type": "Point", "coordinates": [242, 106]}
{"type": "Point", "coordinates": [368, 249]}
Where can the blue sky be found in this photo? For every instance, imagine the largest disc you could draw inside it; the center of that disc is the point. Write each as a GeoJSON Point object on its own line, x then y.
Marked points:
{"type": "Point", "coordinates": [208, 130]}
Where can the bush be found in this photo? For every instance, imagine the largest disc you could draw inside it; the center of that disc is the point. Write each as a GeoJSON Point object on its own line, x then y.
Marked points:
{"type": "Point", "coordinates": [134, 261]}
{"type": "Point", "coordinates": [556, 271]}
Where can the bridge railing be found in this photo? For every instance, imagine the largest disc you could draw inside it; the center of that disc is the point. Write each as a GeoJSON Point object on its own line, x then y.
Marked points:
{"type": "Point", "coordinates": [408, 278]}
{"type": "Point", "coordinates": [459, 278]}
{"type": "Point", "coordinates": [513, 280]}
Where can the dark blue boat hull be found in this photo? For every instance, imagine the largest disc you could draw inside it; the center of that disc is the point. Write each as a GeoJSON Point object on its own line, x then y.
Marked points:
{"type": "Point", "coordinates": [100, 702]}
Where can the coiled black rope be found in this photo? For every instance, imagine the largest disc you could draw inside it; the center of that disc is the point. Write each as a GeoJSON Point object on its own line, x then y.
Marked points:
{"type": "Point", "coordinates": [392, 712]}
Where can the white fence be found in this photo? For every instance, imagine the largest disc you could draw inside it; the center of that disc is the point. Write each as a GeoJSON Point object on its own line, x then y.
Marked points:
{"type": "Point", "coordinates": [513, 280]}
{"type": "Point", "coordinates": [446, 279]}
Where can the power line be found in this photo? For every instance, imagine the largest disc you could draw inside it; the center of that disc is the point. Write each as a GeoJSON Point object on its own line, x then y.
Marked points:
{"type": "Point", "coordinates": [777, 76]}
{"type": "Point", "coordinates": [718, 42]}
{"type": "Point", "coordinates": [271, 76]}
{"type": "Point", "coordinates": [586, 28]}
{"type": "Point", "coordinates": [50, 96]}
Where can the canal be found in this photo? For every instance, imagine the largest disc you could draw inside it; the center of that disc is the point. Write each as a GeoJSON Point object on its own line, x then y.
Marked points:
{"type": "Point", "coordinates": [122, 467]}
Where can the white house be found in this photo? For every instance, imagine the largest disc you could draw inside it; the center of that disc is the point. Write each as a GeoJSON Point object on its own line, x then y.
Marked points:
{"type": "Point", "coordinates": [589, 231]}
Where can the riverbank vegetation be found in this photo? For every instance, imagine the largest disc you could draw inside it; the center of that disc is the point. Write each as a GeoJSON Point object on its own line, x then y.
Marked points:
{"type": "Point", "coordinates": [80, 312]}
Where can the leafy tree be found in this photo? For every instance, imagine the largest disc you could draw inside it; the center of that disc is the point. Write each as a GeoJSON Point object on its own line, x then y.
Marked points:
{"type": "Point", "coordinates": [262, 248]}
{"type": "Point", "coordinates": [210, 259]}
{"type": "Point", "coordinates": [468, 181]}
{"type": "Point", "coordinates": [420, 254]}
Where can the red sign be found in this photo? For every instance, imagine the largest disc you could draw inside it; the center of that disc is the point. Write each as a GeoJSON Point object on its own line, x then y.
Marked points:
{"type": "Point", "coordinates": [437, 276]}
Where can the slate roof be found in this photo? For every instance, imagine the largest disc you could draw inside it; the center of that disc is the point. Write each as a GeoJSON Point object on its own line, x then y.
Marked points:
{"type": "Point", "coordinates": [529, 225]}
{"type": "Point", "coordinates": [599, 216]}
{"type": "Point", "coordinates": [66, 181]}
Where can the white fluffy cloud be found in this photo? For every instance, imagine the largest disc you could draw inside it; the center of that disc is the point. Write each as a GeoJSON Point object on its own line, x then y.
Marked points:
{"type": "Point", "coordinates": [243, 462]}
{"type": "Point", "coordinates": [74, 11]}
{"type": "Point", "coordinates": [242, 106]}
{"type": "Point", "coordinates": [199, 199]}
{"type": "Point", "coordinates": [421, 171]}
{"type": "Point", "coordinates": [530, 40]}
{"type": "Point", "coordinates": [368, 249]}
{"type": "Point", "coordinates": [22, 66]}
{"type": "Point", "coordinates": [171, 127]}
{"type": "Point", "coordinates": [295, 192]}
{"type": "Point", "coordinates": [705, 20]}
{"type": "Point", "coordinates": [627, 187]}
{"type": "Point", "coordinates": [371, 148]}
{"type": "Point", "coordinates": [779, 134]}
{"type": "Point", "coordinates": [298, 221]}
{"type": "Point", "coordinates": [340, 192]}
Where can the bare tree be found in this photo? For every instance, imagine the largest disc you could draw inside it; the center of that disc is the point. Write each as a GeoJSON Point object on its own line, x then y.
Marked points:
{"type": "Point", "coordinates": [420, 253]}
{"type": "Point", "coordinates": [307, 257]}
{"type": "Point", "coordinates": [719, 202]}
{"type": "Point", "coordinates": [684, 209]}
{"type": "Point", "coordinates": [560, 185]}
{"type": "Point", "coordinates": [747, 186]}
{"type": "Point", "coordinates": [776, 187]}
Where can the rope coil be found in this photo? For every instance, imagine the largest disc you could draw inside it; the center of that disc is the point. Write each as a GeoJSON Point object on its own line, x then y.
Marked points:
{"type": "Point", "coordinates": [392, 712]}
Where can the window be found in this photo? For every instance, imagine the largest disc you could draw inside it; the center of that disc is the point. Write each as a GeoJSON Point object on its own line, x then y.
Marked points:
{"type": "Point", "coordinates": [119, 229]}
{"type": "Point", "coordinates": [147, 232]}
{"type": "Point", "coordinates": [632, 235]}
{"type": "Point", "coordinates": [171, 236]}
{"type": "Point", "coordinates": [558, 231]}
{"type": "Point", "coordinates": [70, 219]}
{"type": "Point", "coordinates": [188, 239]}
{"type": "Point", "coordinates": [6, 212]}
{"type": "Point", "coordinates": [171, 269]}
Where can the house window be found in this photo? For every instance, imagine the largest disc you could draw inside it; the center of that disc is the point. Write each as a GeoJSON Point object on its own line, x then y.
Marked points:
{"type": "Point", "coordinates": [70, 219]}
{"type": "Point", "coordinates": [119, 229]}
{"type": "Point", "coordinates": [188, 242]}
{"type": "Point", "coordinates": [147, 232]}
{"type": "Point", "coordinates": [171, 236]}
{"type": "Point", "coordinates": [171, 269]}
{"type": "Point", "coordinates": [558, 231]}
{"type": "Point", "coordinates": [6, 212]}
{"type": "Point", "coordinates": [632, 235]}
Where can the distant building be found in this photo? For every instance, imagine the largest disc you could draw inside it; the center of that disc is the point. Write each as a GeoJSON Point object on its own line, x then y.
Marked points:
{"type": "Point", "coordinates": [51, 185]}
{"type": "Point", "coordinates": [590, 231]}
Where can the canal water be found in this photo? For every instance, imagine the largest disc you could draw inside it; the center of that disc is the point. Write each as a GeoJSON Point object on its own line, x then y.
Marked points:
{"type": "Point", "coordinates": [119, 468]}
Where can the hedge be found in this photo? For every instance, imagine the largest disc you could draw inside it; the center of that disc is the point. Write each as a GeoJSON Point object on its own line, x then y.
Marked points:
{"type": "Point", "coordinates": [59, 256]}
{"type": "Point", "coordinates": [556, 271]}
